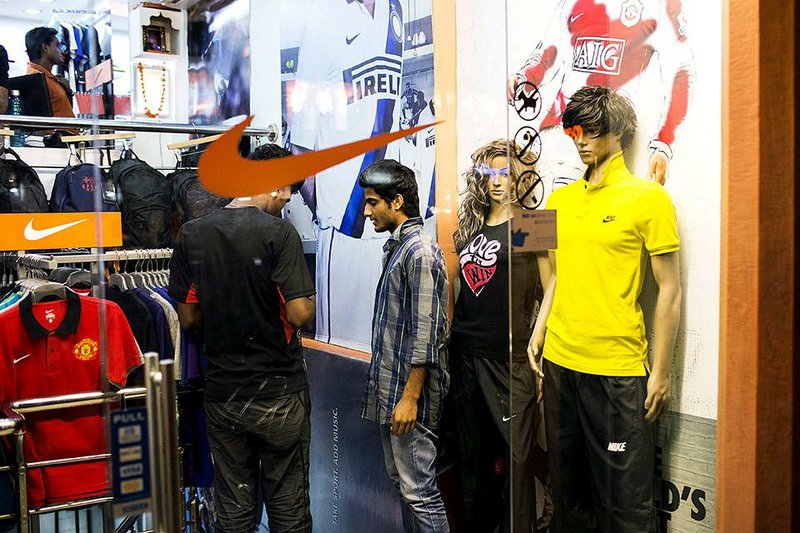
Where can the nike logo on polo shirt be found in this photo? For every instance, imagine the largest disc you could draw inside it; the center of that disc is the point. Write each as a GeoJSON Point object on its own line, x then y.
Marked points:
{"type": "Point", "coordinates": [350, 40]}
{"type": "Point", "coordinates": [38, 234]}
{"type": "Point", "coordinates": [18, 359]}
{"type": "Point", "coordinates": [222, 160]}
{"type": "Point", "coordinates": [610, 218]}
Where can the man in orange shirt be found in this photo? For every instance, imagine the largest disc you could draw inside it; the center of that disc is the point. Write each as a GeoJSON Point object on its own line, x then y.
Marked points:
{"type": "Point", "coordinates": [44, 52]}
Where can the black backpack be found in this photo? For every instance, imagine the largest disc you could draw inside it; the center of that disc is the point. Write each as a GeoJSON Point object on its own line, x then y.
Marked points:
{"type": "Point", "coordinates": [74, 189]}
{"type": "Point", "coordinates": [145, 199]}
{"type": "Point", "coordinates": [21, 190]}
{"type": "Point", "coordinates": [190, 199]}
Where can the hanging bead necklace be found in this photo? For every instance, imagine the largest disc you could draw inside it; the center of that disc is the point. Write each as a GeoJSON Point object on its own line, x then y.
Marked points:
{"type": "Point", "coordinates": [147, 111]}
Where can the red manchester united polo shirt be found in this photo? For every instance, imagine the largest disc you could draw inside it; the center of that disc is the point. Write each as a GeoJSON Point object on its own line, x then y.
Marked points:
{"type": "Point", "coordinates": [55, 348]}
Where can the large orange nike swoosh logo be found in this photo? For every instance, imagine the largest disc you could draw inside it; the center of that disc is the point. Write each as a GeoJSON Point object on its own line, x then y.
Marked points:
{"type": "Point", "coordinates": [225, 172]}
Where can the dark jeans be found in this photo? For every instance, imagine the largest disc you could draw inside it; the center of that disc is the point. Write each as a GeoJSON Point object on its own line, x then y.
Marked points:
{"type": "Point", "coordinates": [601, 451]}
{"type": "Point", "coordinates": [267, 442]}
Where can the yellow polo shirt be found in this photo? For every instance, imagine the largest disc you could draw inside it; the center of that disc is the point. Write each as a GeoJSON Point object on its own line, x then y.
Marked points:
{"type": "Point", "coordinates": [605, 233]}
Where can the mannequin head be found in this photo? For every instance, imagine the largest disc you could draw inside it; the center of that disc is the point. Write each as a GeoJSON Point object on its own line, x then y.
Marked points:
{"type": "Point", "coordinates": [491, 184]}
{"type": "Point", "coordinates": [601, 122]}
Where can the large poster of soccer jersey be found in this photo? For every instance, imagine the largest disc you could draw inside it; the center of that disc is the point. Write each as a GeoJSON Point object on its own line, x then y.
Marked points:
{"type": "Point", "coordinates": [219, 61]}
{"type": "Point", "coordinates": [349, 70]}
{"type": "Point", "coordinates": [665, 56]}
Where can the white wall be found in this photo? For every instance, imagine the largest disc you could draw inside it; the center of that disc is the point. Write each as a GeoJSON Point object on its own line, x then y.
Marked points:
{"type": "Point", "coordinates": [13, 39]}
{"type": "Point", "coordinates": [265, 62]}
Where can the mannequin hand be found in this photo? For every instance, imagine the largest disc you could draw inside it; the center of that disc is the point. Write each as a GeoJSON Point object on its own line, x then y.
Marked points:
{"type": "Point", "coordinates": [535, 361]}
{"type": "Point", "coordinates": [659, 164]}
{"type": "Point", "coordinates": [659, 392]}
{"type": "Point", "coordinates": [535, 354]}
{"type": "Point", "coordinates": [404, 416]}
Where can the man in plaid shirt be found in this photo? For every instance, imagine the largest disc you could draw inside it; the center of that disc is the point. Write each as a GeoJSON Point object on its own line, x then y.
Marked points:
{"type": "Point", "coordinates": [408, 375]}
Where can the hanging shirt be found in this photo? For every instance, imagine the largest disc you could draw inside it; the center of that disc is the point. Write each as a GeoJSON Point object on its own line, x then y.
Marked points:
{"type": "Point", "coordinates": [156, 314]}
{"type": "Point", "coordinates": [138, 317]}
{"type": "Point", "coordinates": [10, 300]}
{"type": "Point", "coordinates": [174, 329]}
{"type": "Point", "coordinates": [481, 317]}
{"type": "Point", "coordinates": [55, 348]}
{"type": "Point", "coordinates": [191, 348]}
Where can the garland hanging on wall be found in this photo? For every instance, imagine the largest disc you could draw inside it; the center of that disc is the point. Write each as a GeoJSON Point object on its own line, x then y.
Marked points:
{"type": "Point", "coordinates": [162, 101]}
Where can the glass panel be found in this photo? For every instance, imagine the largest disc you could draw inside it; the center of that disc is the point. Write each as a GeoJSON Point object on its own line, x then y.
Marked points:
{"type": "Point", "coordinates": [59, 212]}
{"type": "Point", "coordinates": [633, 320]}
{"type": "Point", "coordinates": [323, 74]}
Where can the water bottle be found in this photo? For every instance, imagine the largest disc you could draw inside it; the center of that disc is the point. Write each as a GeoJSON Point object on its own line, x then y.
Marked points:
{"type": "Point", "coordinates": [15, 107]}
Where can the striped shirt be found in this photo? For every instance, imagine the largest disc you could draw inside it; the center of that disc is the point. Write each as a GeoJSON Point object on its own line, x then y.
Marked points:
{"type": "Point", "coordinates": [409, 326]}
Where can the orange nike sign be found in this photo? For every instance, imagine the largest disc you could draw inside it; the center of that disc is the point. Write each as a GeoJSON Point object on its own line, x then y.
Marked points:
{"type": "Point", "coordinates": [44, 231]}
{"type": "Point", "coordinates": [225, 172]}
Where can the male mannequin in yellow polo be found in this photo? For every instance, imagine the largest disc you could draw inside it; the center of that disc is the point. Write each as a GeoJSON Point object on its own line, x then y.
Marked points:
{"type": "Point", "coordinates": [601, 395]}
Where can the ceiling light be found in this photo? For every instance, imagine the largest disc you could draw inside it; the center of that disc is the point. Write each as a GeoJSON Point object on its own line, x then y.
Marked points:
{"type": "Point", "coordinates": [32, 11]}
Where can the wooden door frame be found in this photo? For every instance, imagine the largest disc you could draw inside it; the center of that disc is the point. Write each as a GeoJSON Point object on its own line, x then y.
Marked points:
{"type": "Point", "coordinates": [757, 336]}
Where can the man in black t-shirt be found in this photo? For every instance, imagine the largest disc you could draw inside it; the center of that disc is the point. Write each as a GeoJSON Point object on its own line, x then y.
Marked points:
{"type": "Point", "coordinates": [239, 273]}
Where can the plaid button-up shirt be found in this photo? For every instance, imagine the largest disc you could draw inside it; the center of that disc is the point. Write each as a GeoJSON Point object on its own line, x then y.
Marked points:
{"type": "Point", "coordinates": [409, 326]}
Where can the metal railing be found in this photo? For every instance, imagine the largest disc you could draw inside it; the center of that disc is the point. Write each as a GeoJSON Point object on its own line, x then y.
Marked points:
{"type": "Point", "coordinates": [160, 395]}
{"type": "Point", "coordinates": [272, 132]}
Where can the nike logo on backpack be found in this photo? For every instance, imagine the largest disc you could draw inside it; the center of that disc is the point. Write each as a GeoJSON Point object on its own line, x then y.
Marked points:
{"type": "Point", "coordinates": [38, 234]}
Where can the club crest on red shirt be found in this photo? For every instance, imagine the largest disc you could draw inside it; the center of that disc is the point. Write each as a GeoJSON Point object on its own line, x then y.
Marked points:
{"type": "Point", "coordinates": [85, 350]}
{"type": "Point", "coordinates": [631, 12]}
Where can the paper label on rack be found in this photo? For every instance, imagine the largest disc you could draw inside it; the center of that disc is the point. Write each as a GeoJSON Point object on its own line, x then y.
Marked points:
{"type": "Point", "coordinates": [45, 231]}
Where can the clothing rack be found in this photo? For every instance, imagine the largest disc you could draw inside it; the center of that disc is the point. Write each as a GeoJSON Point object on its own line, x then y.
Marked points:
{"type": "Point", "coordinates": [14, 425]}
{"type": "Point", "coordinates": [271, 132]}
{"type": "Point", "coordinates": [159, 392]}
{"type": "Point", "coordinates": [51, 261]}
{"type": "Point", "coordinates": [79, 16]}
{"type": "Point", "coordinates": [95, 259]}
{"type": "Point", "coordinates": [9, 427]}
{"type": "Point", "coordinates": [167, 169]}
{"type": "Point", "coordinates": [161, 398]}
{"type": "Point", "coordinates": [59, 11]}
